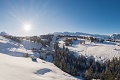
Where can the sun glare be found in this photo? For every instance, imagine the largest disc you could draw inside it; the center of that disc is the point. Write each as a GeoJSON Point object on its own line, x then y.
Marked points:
{"type": "Point", "coordinates": [27, 27]}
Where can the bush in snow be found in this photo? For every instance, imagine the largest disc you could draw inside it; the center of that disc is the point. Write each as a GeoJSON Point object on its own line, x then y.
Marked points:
{"type": "Point", "coordinates": [41, 56]}
{"type": "Point", "coordinates": [26, 55]}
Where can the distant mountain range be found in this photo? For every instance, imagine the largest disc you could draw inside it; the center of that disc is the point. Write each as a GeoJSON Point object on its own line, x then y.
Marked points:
{"type": "Point", "coordinates": [82, 34]}
{"type": "Point", "coordinates": [112, 36]}
{"type": "Point", "coordinates": [115, 36]}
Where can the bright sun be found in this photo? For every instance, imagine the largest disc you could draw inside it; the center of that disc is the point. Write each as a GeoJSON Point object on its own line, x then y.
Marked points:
{"type": "Point", "coordinates": [27, 27]}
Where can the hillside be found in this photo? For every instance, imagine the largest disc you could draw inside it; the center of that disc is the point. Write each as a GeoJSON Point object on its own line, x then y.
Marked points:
{"type": "Point", "coordinates": [15, 67]}
{"type": "Point", "coordinates": [12, 48]}
{"type": "Point", "coordinates": [100, 51]}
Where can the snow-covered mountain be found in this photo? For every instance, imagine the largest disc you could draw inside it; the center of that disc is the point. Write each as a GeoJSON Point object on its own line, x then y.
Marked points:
{"type": "Point", "coordinates": [111, 36]}
{"type": "Point", "coordinates": [115, 36]}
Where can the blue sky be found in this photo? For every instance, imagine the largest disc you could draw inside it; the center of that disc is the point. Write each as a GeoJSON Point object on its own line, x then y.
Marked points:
{"type": "Point", "coordinates": [47, 16]}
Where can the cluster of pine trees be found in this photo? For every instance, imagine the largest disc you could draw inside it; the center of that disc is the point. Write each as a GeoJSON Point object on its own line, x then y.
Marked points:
{"type": "Point", "coordinates": [109, 70]}
{"type": "Point", "coordinates": [69, 41]}
{"type": "Point", "coordinates": [48, 36]}
{"type": "Point", "coordinates": [91, 69]}
{"type": "Point", "coordinates": [43, 39]}
{"type": "Point", "coordinates": [37, 39]}
{"type": "Point", "coordinates": [17, 39]}
{"type": "Point", "coordinates": [64, 59]}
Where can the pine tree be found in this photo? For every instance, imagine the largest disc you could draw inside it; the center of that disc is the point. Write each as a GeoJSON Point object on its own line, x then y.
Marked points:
{"type": "Point", "coordinates": [108, 74]}
{"type": "Point", "coordinates": [102, 75]}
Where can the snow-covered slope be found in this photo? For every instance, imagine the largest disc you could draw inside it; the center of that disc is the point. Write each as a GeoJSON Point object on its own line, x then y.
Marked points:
{"type": "Point", "coordinates": [18, 68]}
{"type": "Point", "coordinates": [30, 45]}
{"type": "Point", "coordinates": [26, 43]}
{"type": "Point", "coordinates": [13, 66]}
{"type": "Point", "coordinates": [101, 51]}
{"type": "Point", "coordinates": [12, 48]}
